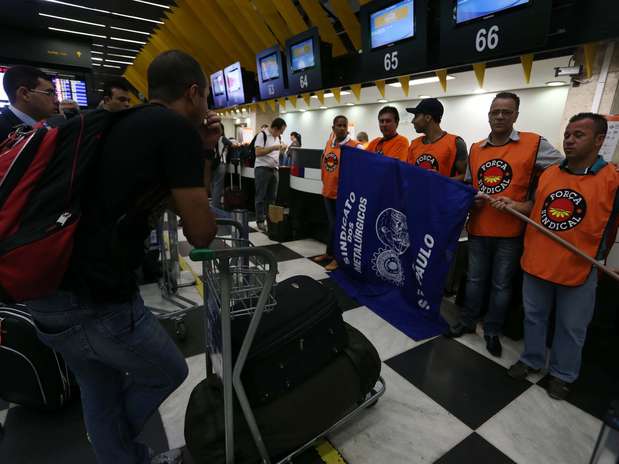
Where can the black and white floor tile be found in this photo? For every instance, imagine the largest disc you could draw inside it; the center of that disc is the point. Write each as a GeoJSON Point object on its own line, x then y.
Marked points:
{"type": "Point", "coordinates": [447, 401]}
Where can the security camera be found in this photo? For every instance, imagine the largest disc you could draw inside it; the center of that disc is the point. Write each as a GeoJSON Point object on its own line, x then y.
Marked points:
{"type": "Point", "coordinates": [568, 71]}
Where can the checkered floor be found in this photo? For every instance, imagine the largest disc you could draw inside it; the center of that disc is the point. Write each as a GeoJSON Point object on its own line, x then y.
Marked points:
{"type": "Point", "coordinates": [447, 401]}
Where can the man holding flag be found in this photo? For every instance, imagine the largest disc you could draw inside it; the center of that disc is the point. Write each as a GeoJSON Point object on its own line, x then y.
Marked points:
{"type": "Point", "coordinates": [503, 165]}
{"type": "Point", "coordinates": [579, 201]}
{"type": "Point", "coordinates": [391, 144]}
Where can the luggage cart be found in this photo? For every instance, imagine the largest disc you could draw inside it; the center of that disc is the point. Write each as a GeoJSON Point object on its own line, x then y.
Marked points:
{"type": "Point", "coordinates": [239, 281]}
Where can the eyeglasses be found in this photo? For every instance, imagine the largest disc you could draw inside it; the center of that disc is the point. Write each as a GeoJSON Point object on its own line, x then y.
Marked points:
{"type": "Point", "coordinates": [507, 113]}
{"type": "Point", "coordinates": [48, 92]}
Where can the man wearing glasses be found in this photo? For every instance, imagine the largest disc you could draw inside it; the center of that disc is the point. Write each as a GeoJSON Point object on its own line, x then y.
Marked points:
{"type": "Point", "coordinates": [31, 95]}
{"type": "Point", "coordinates": [501, 166]}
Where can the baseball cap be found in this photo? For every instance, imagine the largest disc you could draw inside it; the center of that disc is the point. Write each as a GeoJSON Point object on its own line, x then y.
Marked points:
{"type": "Point", "coordinates": [430, 106]}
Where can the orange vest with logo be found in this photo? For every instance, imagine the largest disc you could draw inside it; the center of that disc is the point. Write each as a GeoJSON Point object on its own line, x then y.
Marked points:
{"type": "Point", "coordinates": [501, 171]}
{"type": "Point", "coordinates": [577, 208]}
{"type": "Point", "coordinates": [397, 147]}
{"type": "Point", "coordinates": [439, 156]}
{"type": "Point", "coordinates": [330, 166]}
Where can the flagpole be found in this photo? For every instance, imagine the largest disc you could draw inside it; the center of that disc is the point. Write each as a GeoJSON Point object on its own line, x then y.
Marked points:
{"type": "Point", "coordinates": [558, 239]}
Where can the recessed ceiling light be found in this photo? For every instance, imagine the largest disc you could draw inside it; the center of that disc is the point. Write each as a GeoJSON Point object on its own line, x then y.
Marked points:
{"type": "Point", "coordinates": [153, 4]}
{"type": "Point", "coordinates": [324, 107]}
{"type": "Point", "coordinates": [302, 110]}
{"type": "Point", "coordinates": [478, 91]}
{"type": "Point", "coordinates": [96, 58]}
{"type": "Point", "coordinates": [96, 64]}
{"type": "Point", "coordinates": [283, 111]}
{"type": "Point", "coordinates": [72, 20]}
{"type": "Point", "coordinates": [344, 92]}
{"type": "Point", "coordinates": [116, 61]}
{"type": "Point", "coordinates": [95, 51]}
{"type": "Point", "coordinates": [77, 6]}
{"type": "Point", "coordinates": [121, 56]}
{"type": "Point", "coordinates": [125, 49]}
{"type": "Point", "coordinates": [128, 40]}
{"type": "Point", "coordinates": [98, 45]}
{"type": "Point", "coordinates": [130, 30]}
{"type": "Point", "coordinates": [138, 18]}
{"type": "Point", "coordinates": [350, 104]}
{"type": "Point", "coordinates": [111, 66]}
{"type": "Point", "coordinates": [77, 32]}
{"type": "Point", "coordinates": [555, 83]}
{"type": "Point", "coordinates": [424, 96]}
{"type": "Point", "coordinates": [421, 81]}
{"type": "Point", "coordinates": [383, 100]}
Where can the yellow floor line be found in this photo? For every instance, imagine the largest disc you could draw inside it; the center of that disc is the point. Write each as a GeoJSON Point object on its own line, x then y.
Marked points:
{"type": "Point", "coordinates": [186, 267]}
{"type": "Point", "coordinates": [328, 453]}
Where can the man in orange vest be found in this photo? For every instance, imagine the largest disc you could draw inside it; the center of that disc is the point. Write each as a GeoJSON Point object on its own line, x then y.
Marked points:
{"type": "Point", "coordinates": [391, 143]}
{"type": "Point", "coordinates": [436, 150]}
{"type": "Point", "coordinates": [502, 165]}
{"type": "Point", "coordinates": [330, 165]}
{"type": "Point", "coordinates": [579, 201]}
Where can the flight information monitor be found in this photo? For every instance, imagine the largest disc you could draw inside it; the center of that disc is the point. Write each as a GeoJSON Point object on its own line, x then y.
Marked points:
{"type": "Point", "coordinates": [467, 10]}
{"type": "Point", "coordinates": [234, 84]}
{"type": "Point", "coordinates": [218, 84]}
{"type": "Point", "coordinates": [392, 24]}
{"type": "Point", "coordinates": [70, 89]}
{"type": "Point", "coordinates": [302, 55]}
{"type": "Point", "coordinates": [269, 67]}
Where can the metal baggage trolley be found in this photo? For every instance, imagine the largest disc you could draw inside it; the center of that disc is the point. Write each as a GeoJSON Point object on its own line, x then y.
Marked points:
{"type": "Point", "coordinates": [238, 282]}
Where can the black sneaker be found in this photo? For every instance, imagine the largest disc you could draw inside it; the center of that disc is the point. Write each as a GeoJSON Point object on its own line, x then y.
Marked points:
{"type": "Point", "coordinates": [493, 345]}
{"type": "Point", "coordinates": [520, 371]}
{"type": "Point", "coordinates": [557, 388]}
{"type": "Point", "coordinates": [458, 330]}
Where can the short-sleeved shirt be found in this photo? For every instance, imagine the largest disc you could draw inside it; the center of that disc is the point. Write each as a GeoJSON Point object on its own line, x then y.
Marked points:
{"type": "Point", "coordinates": [266, 140]}
{"type": "Point", "coordinates": [394, 147]}
{"type": "Point", "coordinates": [146, 154]}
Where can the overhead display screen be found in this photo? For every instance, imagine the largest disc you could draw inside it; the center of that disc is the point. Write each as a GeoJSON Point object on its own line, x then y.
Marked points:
{"type": "Point", "coordinates": [302, 55]}
{"type": "Point", "coordinates": [4, 99]}
{"type": "Point", "coordinates": [467, 10]}
{"type": "Point", "coordinates": [69, 89]}
{"type": "Point", "coordinates": [269, 67]}
{"type": "Point", "coordinates": [233, 79]}
{"type": "Point", "coordinates": [217, 83]}
{"type": "Point", "coordinates": [392, 24]}
{"type": "Point", "coordinates": [234, 84]}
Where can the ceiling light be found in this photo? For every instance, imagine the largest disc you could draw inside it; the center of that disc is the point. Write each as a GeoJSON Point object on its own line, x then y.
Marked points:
{"type": "Point", "coordinates": [76, 32]}
{"type": "Point", "coordinates": [121, 56]}
{"type": "Point", "coordinates": [350, 104]}
{"type": "Point", "coordinates": [137, 17]}
{"type": "Point", "coordinates": [111, 66]}
{"type": "Point", "coordinates": [153, 4]}
{"type": "Point", "coordinates": [555, 83]}
{"type": "Point", "coordinates": [77, 6]}
{"type": "Point", "coordinates": [100, 90]}
{"type": "Point", "coordinates": [116, 61]}
{"type": "Point", "coordinates": [72, 20]}
{"type": "Point", "coordinates": [96, 64]}
{"type": "Point", "coordinates": [128, 40]}
{"type": "Point", "coordinates": [96, 58]}
{"type": "Point", "coordinates": [302, 110]}
{"type": "Point", "coordinates": [479, 91]}
{"type": "Point", "coordinates": [344, 92]}
{"type": "Point", "coordinates": [130, 30]}
{"type": "Point", "coordinates": [383, 100]}
{"type": "Point", "coordinates": [125, 49]}
{"type": "Point", "coordinates": [324, 107]}
{"type": "Point", "coordinates": [424, 96]}
{"type": "Point", "coordinates": [98, 45]}
{"type": "Point", "coordinates": [283, 111]}
{"type": "Point", "coordinates": [421, 81]}
{"type": "Point", "coordinates": [95, 51]}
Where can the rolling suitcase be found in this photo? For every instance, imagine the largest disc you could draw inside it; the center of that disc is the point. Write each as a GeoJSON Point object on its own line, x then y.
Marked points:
{"type": "Point", "coordinates": [32, 374]}
{"type": "Point", "coordinates": [292, 419]}
{"type": "Point", "coordinates": [303, 333]}
{"type": "Point", "coordinates": [234, 197]}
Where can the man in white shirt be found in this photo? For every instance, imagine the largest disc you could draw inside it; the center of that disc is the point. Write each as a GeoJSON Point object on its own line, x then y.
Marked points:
{"type": "Point", "coordinates": [267, 145]}
{"type": "Point", "coordinates": [32, 97]}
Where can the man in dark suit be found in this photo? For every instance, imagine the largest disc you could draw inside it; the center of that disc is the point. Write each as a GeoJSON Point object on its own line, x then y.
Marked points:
{"type": "Point", "coordinates": [31, 95]}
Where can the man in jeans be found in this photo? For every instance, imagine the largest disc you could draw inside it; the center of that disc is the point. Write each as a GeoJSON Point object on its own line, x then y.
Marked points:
{"type": "Point", "coordinates": [501, 166]}
{"type": "Point", "coordinates": [124, 362]}
{"type": "Point", "coordinates": [268, 144]}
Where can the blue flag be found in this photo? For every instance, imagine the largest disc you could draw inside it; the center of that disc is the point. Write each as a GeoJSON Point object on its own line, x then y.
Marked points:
{"type": "Point", "coordinates": [395, 237]}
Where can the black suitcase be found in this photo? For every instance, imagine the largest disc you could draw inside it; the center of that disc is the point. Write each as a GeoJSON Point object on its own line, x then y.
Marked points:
{"type": "Point", "coordinates": [32, 374]}
{"type": "Point", "coordinates": [292, 419]}
{"type": "Point", "coordinates": [303, 333]}
{"type": "Point", "coordinates": [234, 196]}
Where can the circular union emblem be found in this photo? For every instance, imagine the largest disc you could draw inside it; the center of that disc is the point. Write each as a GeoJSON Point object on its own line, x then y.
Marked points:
{"type": "Point", "coordinates": [427, 161]}
{"type": "Point", "coordinates": [331, 162]}
{"type": "Point", "coordinates": [494, 176]}
{"type": "Point", "coordinates": [563, 210]}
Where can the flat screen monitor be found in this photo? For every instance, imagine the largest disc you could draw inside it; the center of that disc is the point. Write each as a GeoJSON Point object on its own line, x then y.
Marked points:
{"type": "Point", "coordinates": [467, 10]}
{"type": "Point", "coordinates": [392, 24]}
{"type": "Point", "coordinates": [70, 89]}
{"type": "Point", "coordinates": [302, 55]}
{"type": "Point", "coordinates": [269, 67]}
{"type": "Point", "coordinates": [217, 83]}
{"type": "Point", "coordinates": [234, 80]}
{"type": "Point", "coordinates": [4, 98]}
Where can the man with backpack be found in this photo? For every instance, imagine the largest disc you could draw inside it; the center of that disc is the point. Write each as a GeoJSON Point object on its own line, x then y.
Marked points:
{"type": "Point", "coordinates": [124, 362]}
{"type": "Point", "coordinates": [267, 145]}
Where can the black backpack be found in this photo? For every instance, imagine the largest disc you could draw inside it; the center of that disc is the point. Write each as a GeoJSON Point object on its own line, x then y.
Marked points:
{"type": "Point", "coordinates": [247, 154]}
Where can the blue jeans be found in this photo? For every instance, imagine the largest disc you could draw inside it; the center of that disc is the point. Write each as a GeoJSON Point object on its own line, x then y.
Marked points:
{"type": "Point", "coordinates": [574, 310]}
{"type": "Point", "coordinates": [126, 365]}
{"type": "Point", "coordinates": [330, 205]}
{"type": "Point", "coordinates": [493, 262]}
{"type": "Point", "coordinates": [266, 180]}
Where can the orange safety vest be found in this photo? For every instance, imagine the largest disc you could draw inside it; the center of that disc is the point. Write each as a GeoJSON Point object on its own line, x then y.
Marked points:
{"type": "Point", "coordinates": [502, 171]}
{"type": "Point", "coordinates": [577, 208]}
{"type": "Point", "coordinates": [396, 147]}
{"type": "Point", "coordinates": [330, 165]}
{"type": "Point", "coordinates": [439, 156]}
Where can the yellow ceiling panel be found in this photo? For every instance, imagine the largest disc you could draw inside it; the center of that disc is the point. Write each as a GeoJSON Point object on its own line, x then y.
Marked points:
{"type": "Point", "coordinates": [241, 25]}
{"type": "Point", "coordinates": [289, 11]}
{"type": "Point", "coordinates": [319, 18]}
{"type": "Point", "coordinates": [347, 17]}
{"type": "Point", "coordinates": [181, 44]}
{"type": "Point", "coordinates": [255, 21]}
{"type": "Point", "coordinates": [274, 20]}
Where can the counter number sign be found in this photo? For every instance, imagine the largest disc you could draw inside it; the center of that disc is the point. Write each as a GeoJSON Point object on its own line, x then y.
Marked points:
{"type": "Point", "coordinates": [303, 81]}
{"type": "Point", "coordinates": [391, 61]}
{"type": "Point", "coordinates": [487, 38]}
